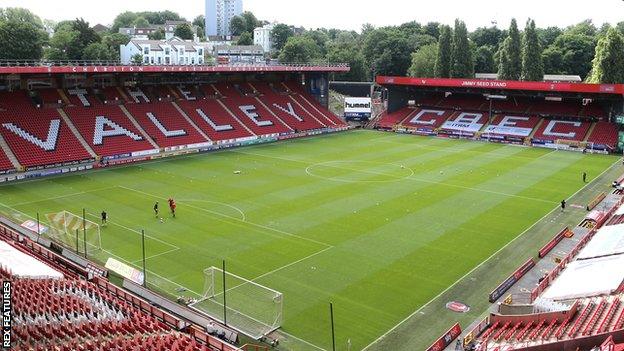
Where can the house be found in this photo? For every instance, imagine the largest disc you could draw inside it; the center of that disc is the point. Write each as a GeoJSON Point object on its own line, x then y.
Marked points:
{"type": "Point", "coordinates": [139, 33]}
{"type": "Point", "coordinates": [163, 52]}
{"type": "Point", "coordinates": [262, 37]}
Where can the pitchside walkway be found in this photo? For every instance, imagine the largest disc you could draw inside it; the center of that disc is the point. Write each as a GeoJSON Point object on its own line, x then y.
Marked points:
{"type": "Point", "coordinates": [421, 329]}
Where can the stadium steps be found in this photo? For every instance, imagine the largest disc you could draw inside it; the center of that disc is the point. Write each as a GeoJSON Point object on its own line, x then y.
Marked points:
{"type": "Point", "coordinates": [408, 117]}
{"type": "Point", "coordinates": [64, 97]}
{"type": "Point", "coordinates": [294, 100]}
{"type": "Point", "coordinates": [76, 133]}
{"type": "Point", "coordinates": [123, 94]}
{"type": "Point", "coordinates": [537, 127]}
{"type": "Point", "coordinates": [224, 106]}
{"type": "Point", "coordinates": [325, 124]}
{"type": "Point", "coordinates": [320, 113]}
{"type": "Point", "coordinates": [9, 153]}
{"type": "Point", "coordinates": [273, 113]}
{"type": "Point", "coordinates": [173, 92]}
{"type": "Point", "coordinates": [138, 126]}
{"type": "Point", "coordinates": [590, 132]}
{"type": "Point", "coordinates": [190, 121]}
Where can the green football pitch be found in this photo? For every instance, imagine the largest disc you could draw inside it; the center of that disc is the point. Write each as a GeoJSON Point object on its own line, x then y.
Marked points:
{"type": "Point", "coordinates": [376, 223]}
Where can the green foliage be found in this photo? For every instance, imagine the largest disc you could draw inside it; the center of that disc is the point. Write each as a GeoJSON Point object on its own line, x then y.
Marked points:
{"type": "Point", "coordinates": [184, 32]}
{"type": "Point", "coordinates": [200, 21]}
{"type": "Point", "coordinates": [490, 36]}
{"type": "Point", "coordinates": [423, 61]}
{"type": "Point", "coordinates": [577, 53]}
{"type": "Point", "coordinates": [127, 19]}
{"type": "Point", "coordinates": [280, 35]}
{"type": "Point", "coordinates": [385, 51]}
{"type": "Point", "coordinates": [532, 67]}
{"type": "Point", "coordinates": [548, 35]}
{"type": "Point", "coordinates": [320, 37]}
{"type": "Point", "coordinates": [552, 57]}
{"type": "Point", "coordinates": [140, 22]}
{"type": "Point", "coordinates": [18, 14]}
{"type": "Point", "coordinates": [246, 22]}
{"type": "Point", "coordinates": [484, 60]}
{"type": "Point", "coordinates": [608, 64]}
{"type": "Point", "coordinates": [112, 43]}
{"type": "Point", "coordinates": [510, 67]}
{"type": "Point", "coordinates": [97, 52]}
{"type": "Point", "coordinates": [159, 34]}
{"type": "Point", "coordinates": [442, 67]}
{"type": "Point", "coordinates": [20, 40]}
{"type": "Point", "coordinates": [348, 52]}
{"type": "Point", "coordinates": [71, 39]}
{"type": "Point", "coordinates": [462, 62]}
{"type": "Point", "coordinates": [300, 49]}
{"type": "Point", "coordinates": [137, 59]}
{"type": "Point", "coordinates": [245, 39]}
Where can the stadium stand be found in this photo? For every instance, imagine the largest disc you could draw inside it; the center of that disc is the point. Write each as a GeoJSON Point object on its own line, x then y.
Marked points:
{"type": "Point", "coordinates": [38, 137]}
{"type": "Point", "coordinates": [214, 119]}
{"type": "Point", "coordinates": [287, 110]}
{"type": "Point", "coordinates": [55, 308]}
{"type": "Point", "coordinates": [164, 124]}
{"type": "Point", "coordinates": [107, 130]}
{"type": "Point", "coordinates": [511, 125]}
{"type": "Point", "coordinates": [428, 118]}
{"type": "Point", "coordinates": [309, 103]}
{"type": "Point", "coordinates": [604, 133]}
{"type": "Point", "coordinates": [250, 112]}
{"type": "Point", "coordinates": [552, 130]}
{"type": "Point", "coordinates": [390, 120]}
{"type": "Point", "coordinates": [555, 109]}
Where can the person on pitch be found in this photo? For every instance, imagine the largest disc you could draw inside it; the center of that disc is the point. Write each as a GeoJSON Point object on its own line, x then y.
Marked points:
{"type": "Point", "coordinates": [584, 177]}
{"type": "Point", "coordinates": [563, 205]}
{"type": "Point", "coordinates": [172, 206]}
{"type": "Point", "coordinates": [156, 209]}
{"type": "Point", "coordinates": [104, 217]}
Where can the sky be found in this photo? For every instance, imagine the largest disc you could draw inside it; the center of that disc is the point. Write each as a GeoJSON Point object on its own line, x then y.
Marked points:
{"type": "Point", "coordinates": [351, 14]}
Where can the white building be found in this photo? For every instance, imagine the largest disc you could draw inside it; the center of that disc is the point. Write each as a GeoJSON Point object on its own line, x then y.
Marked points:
{"type": "Point", "coordinates": [219, 14]}
{"type": "Point", "coordinates": [262, 37]}
{"type": "Point", "coordinates": [163, 52]}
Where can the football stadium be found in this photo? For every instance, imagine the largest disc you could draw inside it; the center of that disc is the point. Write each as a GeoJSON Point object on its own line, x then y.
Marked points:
{"type": "Point", "coordinates": [231, 206]}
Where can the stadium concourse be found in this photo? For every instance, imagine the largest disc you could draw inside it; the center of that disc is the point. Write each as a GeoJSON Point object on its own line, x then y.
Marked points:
{"type": "Point", "coordinates": [59, 123]}
{"type": "Point", "coordinates": [573, 116]}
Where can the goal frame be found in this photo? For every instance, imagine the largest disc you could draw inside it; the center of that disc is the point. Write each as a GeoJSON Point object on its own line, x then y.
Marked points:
{"type": "Point", "coordinates": [211, 295]}
{"type": "Point", "coordinates": [82, 223]}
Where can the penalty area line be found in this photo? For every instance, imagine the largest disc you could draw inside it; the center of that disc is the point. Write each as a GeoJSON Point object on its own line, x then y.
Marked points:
{"type": "Point", "coordinates": [591, 184]}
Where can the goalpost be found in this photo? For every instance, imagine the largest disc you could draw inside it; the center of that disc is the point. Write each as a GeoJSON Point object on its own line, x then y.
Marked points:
{"type": "Point", "coordinates": [251, 308]}
{"type": "Point", "coordinates": [74, 231]}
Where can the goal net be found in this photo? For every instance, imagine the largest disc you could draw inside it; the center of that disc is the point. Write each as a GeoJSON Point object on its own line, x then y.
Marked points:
{"type": "Point", "coordinates": [74, 232]}
{"type": "Point", "coordinates": [251, 308]}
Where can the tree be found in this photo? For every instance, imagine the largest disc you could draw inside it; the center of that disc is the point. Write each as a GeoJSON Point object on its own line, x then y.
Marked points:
{"type": "Point", "coordinates": [140, 22]}
{"type": "Point", "coordinates": [348, 52]}
{"type": "Point", "coordinates": [245, 39]}
{"type": "Point", "coordinates": [123, 20]}
{"type": "Point", "coordinates": [200, 23]}
{"type": "Point", "coordinates": [552, 57]}
{"type": "Point", "coordinates": [64, 45]}
{"type": "Point", "coordinates": [513, 54]}
{"type": "Point", "coordinates": [18, 14]}
{"type": "Point", "coordinates": [113, 42]}
{"type": "Point", "coordinates": [280, 35]}
{"type": "Point", "coordinates": [385, 44]}
{"type": "Point", "coordinates": [548, 35]}
{"type": "Point", "coordinates": [578, 51]}
{"type": "Point", "coordinates": [320, 38]}
{"type": "Point", "coordinates": [484, 60]}
{"type": "Point", "coordinates": [443, 59]}
{"type": "Point", "coordinates": [158, 34]}
{"type": "Point", "coordinates": [97, 52]}
{"type": "Point", "coordinates": [137, 59]}
{"type": "Point", "coordinates": [184, 32]}
{"type": "Point", "coordinates": [432, 29]}
{"type": "Point", "coordinates": [237, 25]}
{"type": "Point", "coordinates": [462, 62]}
{"type": "Point", "coordinates": [491, 36]}
{"type": "Point", "coordinates": [423, 61]}
{"type": "Point", "coordinates": [20, 41]}
{"type": "Point", "coordinates": [608, 63]}
{"type": "Point", "coordinates": [532, 66]}
{"type": "Point", "coordinates": [299, 49]}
